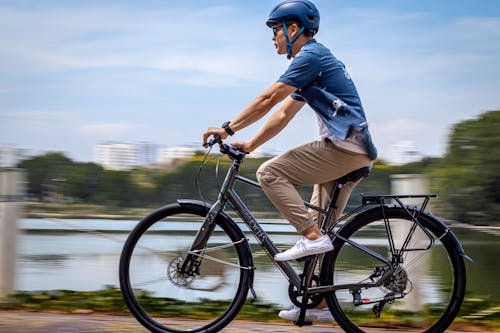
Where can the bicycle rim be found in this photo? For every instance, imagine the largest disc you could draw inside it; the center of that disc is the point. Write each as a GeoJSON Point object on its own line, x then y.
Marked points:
{"type": "Point", "coordinates": [164, 300]}
{"type": "Point", "coordinates": [423, 293]}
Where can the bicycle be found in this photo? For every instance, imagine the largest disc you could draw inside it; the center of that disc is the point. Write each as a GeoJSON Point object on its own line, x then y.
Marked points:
{"type": "Point", "coordinates": [200, 283]}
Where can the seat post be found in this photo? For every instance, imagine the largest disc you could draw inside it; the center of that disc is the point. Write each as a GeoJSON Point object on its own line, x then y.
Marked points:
{"type": "Point", "coordinates": [337, 186]}
{"type": "Point", "coordinates": [353, 176]}
{"type": "Point", "coordinates": [332, 205]}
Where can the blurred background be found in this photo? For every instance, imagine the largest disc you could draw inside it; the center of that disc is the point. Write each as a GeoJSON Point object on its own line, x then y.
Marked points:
{"type": "Point", "coordinates": [103, 104]}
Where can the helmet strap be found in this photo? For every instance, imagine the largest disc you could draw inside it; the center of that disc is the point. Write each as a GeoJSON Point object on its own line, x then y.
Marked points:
{"type": "Point", "coordinates": [289, 43]}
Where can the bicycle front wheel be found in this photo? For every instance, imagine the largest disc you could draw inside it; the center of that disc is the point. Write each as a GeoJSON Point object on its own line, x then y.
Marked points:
{"type": "Point", "coordinates": [160, 296]}
{"type": "Point", "coordinates": [417, 289]}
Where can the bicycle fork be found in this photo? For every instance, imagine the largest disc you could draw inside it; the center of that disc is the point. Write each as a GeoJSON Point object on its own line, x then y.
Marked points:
{"type": "Point", "coordinates": [193, 256]}
{"type": "Point", "coordinates": [191, 262]}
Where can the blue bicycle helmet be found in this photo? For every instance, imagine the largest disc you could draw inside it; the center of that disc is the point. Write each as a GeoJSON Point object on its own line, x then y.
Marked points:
{"type": "Point", "coordinates": [303, 12]}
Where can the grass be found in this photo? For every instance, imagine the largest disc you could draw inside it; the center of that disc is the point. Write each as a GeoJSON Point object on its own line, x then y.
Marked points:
{"type": "Point", "coordinates": [475, 312]}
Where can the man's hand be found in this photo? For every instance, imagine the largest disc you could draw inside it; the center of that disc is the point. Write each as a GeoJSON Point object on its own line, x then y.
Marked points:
{"type": "Point", "coordinates": [211, 131]}
{"type": "Point", "coordinates": [247, 147]}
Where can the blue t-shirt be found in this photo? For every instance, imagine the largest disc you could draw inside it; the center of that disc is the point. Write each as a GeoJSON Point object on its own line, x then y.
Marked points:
{"type": "Point", "coordinates": [321, 79]}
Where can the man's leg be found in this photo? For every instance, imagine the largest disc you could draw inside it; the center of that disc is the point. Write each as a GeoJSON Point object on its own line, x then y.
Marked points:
{"type": "Point", "coordinates": [321, 197]}
{"type": "Point", "coordinates": [314, 163]}
{"type": "Point", "coordinates": [317, 162]}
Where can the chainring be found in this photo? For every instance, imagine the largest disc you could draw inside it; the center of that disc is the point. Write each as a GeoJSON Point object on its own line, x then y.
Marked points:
{"type": "Point", "coordinates": [296, 297]}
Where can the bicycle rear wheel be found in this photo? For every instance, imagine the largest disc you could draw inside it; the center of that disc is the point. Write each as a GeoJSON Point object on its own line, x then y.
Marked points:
{"type": "Point", "coordinates": [165, 300]}
{"type": "Point", "coordinates": [423, 290]}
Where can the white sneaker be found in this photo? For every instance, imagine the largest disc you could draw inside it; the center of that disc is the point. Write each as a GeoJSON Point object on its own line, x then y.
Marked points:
{"type": "Point", "coordinates": [313, 315]}
{"type": "Point", "coordinates": [305, 247]}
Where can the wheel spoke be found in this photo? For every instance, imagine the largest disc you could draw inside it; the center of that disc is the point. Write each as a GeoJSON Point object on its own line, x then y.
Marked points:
{"type": "Point", "coordinates": [211, 288]}
{"type": "Point", "coordinates": [420, 289]}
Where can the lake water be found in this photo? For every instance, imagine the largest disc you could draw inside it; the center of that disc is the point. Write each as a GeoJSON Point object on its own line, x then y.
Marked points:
{"type": "Point", "coordinates": [84, 254]}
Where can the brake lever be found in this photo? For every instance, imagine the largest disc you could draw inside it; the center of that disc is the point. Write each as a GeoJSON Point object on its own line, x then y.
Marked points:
{"type": "Point", "coordinates": [216, 139]}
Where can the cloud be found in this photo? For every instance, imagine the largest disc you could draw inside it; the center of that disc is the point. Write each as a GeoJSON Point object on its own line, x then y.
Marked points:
{"type": "Point", "coordinates": [106, 129]}
{"type": "Point", "coordinates": [402, 128]}
{"type": "Point", "coordinates": [125, 38]}
{"type": "Point", "coordinates": [398, 34]}
{"type": "Point", "coordinates": [418, 72]}
{"type": "Point", "coordinates": [118, 69]}
{"type": "Point", "coordinates": [31, 115]}
{"type": "Point", "coordinates": [478, 28]}
{"type": "Point", "coordinates": [427, 135]}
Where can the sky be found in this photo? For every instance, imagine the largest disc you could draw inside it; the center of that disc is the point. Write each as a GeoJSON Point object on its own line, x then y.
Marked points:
{"type": "Point", "coordinates": [77, 73]}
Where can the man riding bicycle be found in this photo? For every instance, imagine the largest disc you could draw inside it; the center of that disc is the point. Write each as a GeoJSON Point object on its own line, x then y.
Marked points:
{"type": "Point", "coordinates": [317, 78]}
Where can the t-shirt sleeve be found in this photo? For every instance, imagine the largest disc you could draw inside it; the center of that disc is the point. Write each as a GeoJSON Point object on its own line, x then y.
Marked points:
{"type": "Point", "coordinates": [302, 71]}
{"type": "Point", "coordinates": [297, 97]}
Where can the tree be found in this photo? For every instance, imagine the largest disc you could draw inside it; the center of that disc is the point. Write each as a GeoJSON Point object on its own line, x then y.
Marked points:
{"type": "Point", "coordinates": [466, 179]}
{"type": "Point", "coordinates": [118, 189]}
{"type": "Point", "coordinates": [84, 182]}
{"type": "Point", "coordinates": [469, 176]}
{"type": "Point", "coordinates": [46, 174]}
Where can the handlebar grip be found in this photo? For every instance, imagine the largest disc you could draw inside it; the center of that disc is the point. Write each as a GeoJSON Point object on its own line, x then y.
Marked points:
{"type": "Point", "coordinates": [231, 151]}
{"type": "Point", "coordinates": [217, 138]}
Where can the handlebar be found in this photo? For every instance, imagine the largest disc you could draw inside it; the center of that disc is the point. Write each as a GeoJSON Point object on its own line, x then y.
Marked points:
{"type": "Point", "coordinates": [231, 151]}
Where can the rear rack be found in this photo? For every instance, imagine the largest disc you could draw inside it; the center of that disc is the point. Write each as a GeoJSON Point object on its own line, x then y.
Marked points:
{"type": "Point", "coordinates": [380, 199]}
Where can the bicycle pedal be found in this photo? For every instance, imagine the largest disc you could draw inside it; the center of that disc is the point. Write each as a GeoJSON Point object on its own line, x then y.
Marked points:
{"type": "Point", "coordinates": [306, 258]}
{"type": "Point", "coordinates": [304, 323]}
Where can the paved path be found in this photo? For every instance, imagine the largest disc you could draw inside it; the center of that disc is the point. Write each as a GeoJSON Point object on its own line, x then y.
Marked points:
{"type": "Point", "coordinates": [35, 322]}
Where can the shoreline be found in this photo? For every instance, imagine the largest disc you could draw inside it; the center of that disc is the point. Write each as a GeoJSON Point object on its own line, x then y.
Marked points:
{"type": "Point", "coordinates": [82, 216]}
{"type": "Point", "coordinates": [86, 211]}
{"type": "Point", "coordinates": [269, 217]}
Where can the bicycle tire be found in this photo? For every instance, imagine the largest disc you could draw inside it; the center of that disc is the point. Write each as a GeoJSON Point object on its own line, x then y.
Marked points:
{"type": "Point", "coordinates": [433, 309]}
{"type": "Point", "coordinates": [164, 301]}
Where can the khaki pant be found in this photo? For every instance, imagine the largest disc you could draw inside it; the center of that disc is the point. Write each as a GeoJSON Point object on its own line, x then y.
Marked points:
{"type": "Point", "coordinates": [316, 163]}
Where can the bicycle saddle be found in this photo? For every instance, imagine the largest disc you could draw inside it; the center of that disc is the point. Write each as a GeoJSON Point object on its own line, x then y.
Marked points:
{"type": "Point", "coordinates": [354, 176]}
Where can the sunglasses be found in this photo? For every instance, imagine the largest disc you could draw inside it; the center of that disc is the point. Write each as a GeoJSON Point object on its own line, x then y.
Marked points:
{"type": "Point", "coordinates": [276, 28]}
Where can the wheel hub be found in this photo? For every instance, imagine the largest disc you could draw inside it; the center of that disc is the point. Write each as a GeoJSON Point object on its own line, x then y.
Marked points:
{"type": "Point", "coordinates": [397, 281]}
{"type": "Point", "coordinates": [176, 276]}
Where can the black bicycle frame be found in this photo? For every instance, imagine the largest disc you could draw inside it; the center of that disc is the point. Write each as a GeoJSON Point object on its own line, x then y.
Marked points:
{"type": "Point", "coordinates": [227, 193]}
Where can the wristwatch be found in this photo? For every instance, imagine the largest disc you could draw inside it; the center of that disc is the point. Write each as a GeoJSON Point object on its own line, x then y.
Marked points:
{"type": "Point", "coordinates": [228, 129]}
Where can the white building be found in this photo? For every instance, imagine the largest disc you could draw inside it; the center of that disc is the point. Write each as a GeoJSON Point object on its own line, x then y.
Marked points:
{"type": "Point", "coordinates": [117, 156]}
{"type": "Point", "coordinates": [125, 156]}
{"type": "Point", "coordinates": [405, 152]}
{"type": "Point", "coordinates": [147, 153]}
{"type": "Point", "coordinates": [10, 156]}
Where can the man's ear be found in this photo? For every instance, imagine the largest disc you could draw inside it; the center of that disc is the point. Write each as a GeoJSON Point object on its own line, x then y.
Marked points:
{"type": "Point", "coordinates": [294, 30]}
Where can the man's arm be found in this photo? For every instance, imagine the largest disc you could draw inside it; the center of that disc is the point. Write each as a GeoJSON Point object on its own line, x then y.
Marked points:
{"type": "Point", "coordinates": [259, 107]}
{"type": "Point", "coordinates": [279, 119]}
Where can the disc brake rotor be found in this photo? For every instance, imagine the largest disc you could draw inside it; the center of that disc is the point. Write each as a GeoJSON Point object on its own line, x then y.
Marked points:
{"type": "Point", "coordinates": [176, 277]}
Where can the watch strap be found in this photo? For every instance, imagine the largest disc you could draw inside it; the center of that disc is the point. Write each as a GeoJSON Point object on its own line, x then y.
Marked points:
{"type": "Point", "coordinates": [228, 129]}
